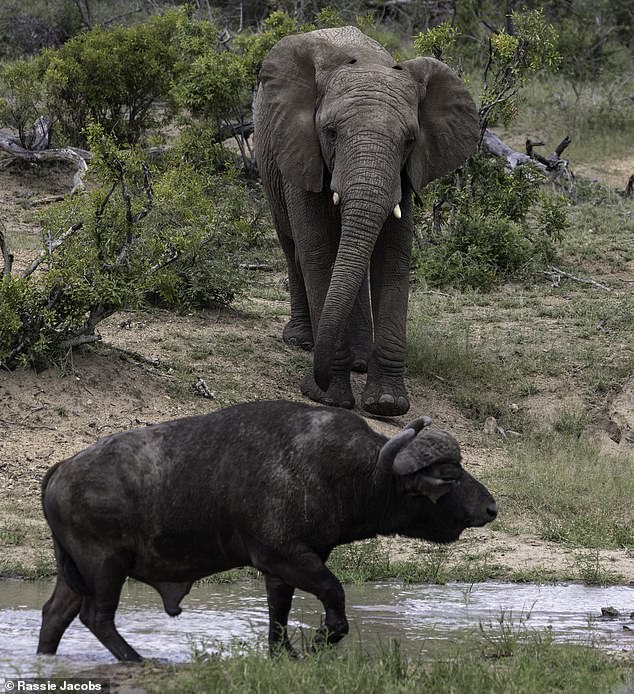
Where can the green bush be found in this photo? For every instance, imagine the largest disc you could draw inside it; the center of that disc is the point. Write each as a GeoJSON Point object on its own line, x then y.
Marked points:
{"type": "Point", "coordinates": [488, 225]}
{"type": "Point", "coordinates": [21, 84]}
{"type": "Point", "coordinates": [172, 235]}
{"type": "Point", "coordinates": [115, 77]}
{"type": "Point", "coordinates": [207, 224]}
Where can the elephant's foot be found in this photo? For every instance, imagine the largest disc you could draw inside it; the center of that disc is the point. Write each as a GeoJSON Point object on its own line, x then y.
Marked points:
{"type": "Point", "coordinates": [339, 393]}
{"type": "Point", "coordinates": [386, 399]}
{"type": "Point", "coordinates": [298, 333]}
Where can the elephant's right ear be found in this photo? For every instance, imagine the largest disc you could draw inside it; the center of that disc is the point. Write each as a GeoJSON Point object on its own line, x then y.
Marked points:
{"type": "Point", "coordinates": [289, 83]}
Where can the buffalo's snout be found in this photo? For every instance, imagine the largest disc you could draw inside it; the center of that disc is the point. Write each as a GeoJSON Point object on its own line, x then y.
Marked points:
{"type": "Point", "coordinates": [487, 511]}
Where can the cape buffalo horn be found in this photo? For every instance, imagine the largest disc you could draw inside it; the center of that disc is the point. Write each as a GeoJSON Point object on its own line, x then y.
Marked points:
{"type": "Point", "coordinates": [394, 445]}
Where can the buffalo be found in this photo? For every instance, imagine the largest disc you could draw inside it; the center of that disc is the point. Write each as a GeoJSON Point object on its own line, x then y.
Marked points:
{"type": "Point", "coordinates": [274, 485]}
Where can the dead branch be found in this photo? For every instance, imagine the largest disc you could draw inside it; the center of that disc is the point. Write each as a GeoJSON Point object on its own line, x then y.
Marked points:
{"type": "Point", "coordinates": [41, 133]}
{"type": "Point", "coordinates": [554, 161]}
{"type": "Point", "coordinates": [496, 147]}
{"type": "Point", "coordinates": [46, 201]}
{"type": "Point", "coordinates": [556, 274]}
{"type": "Point", "coordinates": [26, 425]}
{"type": "Point", "coordinates": [76, 156]}
{"type": "Point", "coordinates": [256, 266]}
{"type": "Point", "coordinates": [51, 247]}
{"type": "Point", "coordinates": [201, 388]}
{"type": "Point", "coordinates": [556, 169]}
{"type": "Point", "coordinates": [80, 340]}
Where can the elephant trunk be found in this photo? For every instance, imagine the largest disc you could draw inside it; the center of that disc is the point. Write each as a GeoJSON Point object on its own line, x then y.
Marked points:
{"type": "Point", "coordinates": [363, 214]}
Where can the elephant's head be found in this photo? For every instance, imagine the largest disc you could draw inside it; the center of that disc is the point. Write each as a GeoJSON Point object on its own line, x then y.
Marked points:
{"type": "Point", "coordinates": [351, 115]}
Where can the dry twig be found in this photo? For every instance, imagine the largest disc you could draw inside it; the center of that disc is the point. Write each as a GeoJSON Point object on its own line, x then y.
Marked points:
{"type": "Point", "coordinates": [556, 274]}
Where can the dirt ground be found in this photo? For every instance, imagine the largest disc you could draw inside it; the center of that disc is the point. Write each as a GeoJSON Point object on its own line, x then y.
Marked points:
{"type": "Point", "coordinates": [129, 381]}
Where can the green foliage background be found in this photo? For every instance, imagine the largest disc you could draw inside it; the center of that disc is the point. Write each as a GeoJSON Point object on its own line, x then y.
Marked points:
{"type": "Point", "coordinates": [129, 78]}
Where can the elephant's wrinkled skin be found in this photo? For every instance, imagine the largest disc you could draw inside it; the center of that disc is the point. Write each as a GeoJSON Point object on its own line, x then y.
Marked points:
{"type": "Point", "coordinates": [344, 135]}
{"type": "Point", "coordinates": [275, 485]}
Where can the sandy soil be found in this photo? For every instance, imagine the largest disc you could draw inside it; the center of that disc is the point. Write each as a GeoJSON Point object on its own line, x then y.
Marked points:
{"type": "Point", "coordinates": [127, 382]}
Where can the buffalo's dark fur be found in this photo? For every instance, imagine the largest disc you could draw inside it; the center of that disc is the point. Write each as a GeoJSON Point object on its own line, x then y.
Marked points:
{"type": "Point", "coordinates": [274, 485]}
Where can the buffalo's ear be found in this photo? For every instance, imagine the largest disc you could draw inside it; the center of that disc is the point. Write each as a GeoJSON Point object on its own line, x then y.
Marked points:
{"type": "Point", "coordinates": [448, 120]}
{"type": "Point", "coordinates": [289, 78]}
{"type": "Point", "coordinates": [429, 465]}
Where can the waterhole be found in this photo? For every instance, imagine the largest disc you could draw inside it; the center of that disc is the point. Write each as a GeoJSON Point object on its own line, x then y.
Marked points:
{"type": "Point", "coordinates": [215, 616]}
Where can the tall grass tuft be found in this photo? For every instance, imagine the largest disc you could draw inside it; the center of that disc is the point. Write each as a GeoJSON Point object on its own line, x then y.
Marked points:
{"type": "Point", "coordinates": [578, 494]}
{"type": "Point", "coordinates": [533, 665]}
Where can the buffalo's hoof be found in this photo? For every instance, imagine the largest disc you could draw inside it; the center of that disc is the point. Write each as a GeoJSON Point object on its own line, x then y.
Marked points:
{"type": "Point", "coordinates": [279, 650]}
{"type": "Point", "coordinates": [339, 394]}
{"type": "Point", "coordinates": [385, 401]}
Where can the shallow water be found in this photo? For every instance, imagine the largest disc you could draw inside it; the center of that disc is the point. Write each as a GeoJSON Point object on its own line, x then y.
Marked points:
{"type": "Point", "coordinates": [421, 617]}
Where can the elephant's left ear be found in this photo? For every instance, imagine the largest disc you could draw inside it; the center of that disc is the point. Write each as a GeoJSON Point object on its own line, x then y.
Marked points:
{"type": "Point", "coordinates": [448, 120]}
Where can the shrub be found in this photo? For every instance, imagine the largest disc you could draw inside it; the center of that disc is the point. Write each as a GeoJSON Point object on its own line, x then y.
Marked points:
{"type": "Point", "coordinates": [172, 235]}
{"type": "Point", "coordinates": [23, 92]}
{"type": "Point", "coordinates": [488, 225]}
{"type": "Point", "coordinates": [113, 76]}
{"type": "Point", "coordinates": [206, 224]}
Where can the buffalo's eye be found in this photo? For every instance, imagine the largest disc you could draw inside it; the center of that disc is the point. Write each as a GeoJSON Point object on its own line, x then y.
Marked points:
{"type": "Point", "coordinates": [397, 67]}
{"type": "Point", "coordinates": [331, 134]}
{"type": "Point", "coordinates": [446, 471]}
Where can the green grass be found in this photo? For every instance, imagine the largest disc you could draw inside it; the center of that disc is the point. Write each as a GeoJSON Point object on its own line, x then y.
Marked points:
{"type": "Point", "coordinates": [11, 534]}
{"type": "Point", "coordinates": [577, 494]}
{"type": "Point", "coordinates": [499, 660]}
{"type": "Point", "coordinates": [369, 560]}
{"type": "Point", "coordinates": [599, 119]}
{"type": "Point", "coordinates": [43, 567]}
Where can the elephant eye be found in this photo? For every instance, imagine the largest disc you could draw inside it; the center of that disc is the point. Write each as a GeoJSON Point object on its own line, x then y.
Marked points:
{"type": "Point", "coordinates": [331, 134]}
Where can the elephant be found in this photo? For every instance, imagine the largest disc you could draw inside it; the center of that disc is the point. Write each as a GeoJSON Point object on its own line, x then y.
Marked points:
{"type": "Point", "coordinates": [344, 136]}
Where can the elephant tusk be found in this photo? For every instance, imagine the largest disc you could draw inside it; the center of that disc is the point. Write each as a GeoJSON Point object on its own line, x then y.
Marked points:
{"type": "Point", "coordinates": [397, 211]}
{"type": "Point", "coordinates": [335, 198]}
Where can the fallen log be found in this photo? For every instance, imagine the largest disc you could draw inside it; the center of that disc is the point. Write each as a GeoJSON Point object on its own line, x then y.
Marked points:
{"type": "Point", "coordinates": [556, 169]}
{"type": "Point", "coordinates": [35, 149]}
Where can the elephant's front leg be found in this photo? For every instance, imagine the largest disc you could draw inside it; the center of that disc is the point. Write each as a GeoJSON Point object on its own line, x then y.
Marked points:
{"type": "Point", "coordinates": [385, 393]}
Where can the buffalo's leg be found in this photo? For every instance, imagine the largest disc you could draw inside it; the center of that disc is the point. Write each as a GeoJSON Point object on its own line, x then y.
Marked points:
{"type": "Point", "coordinates": [280, 596]}
{"type": "Point", "coordinates": [98, 610]}
{"type": "Point", "coordinates": [58, 612]}
{"type": "Point", "coordinates": [309, 573]}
